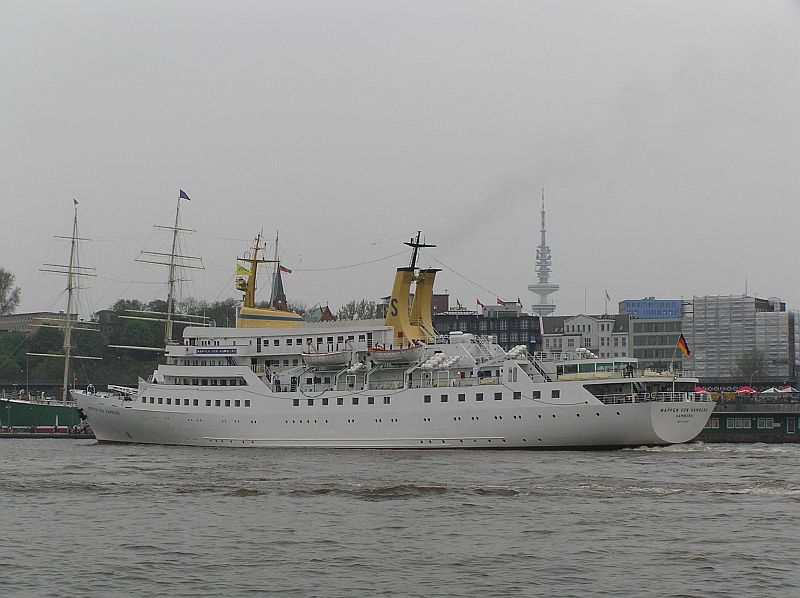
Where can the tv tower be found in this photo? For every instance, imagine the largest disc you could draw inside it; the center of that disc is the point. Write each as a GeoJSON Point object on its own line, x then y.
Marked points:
{"type": "Point", "coordinates": [544, 287]}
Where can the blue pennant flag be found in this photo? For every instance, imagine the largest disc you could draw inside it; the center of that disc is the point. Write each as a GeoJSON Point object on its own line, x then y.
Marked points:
{"type": "Point", "coordinates": [183, 195]}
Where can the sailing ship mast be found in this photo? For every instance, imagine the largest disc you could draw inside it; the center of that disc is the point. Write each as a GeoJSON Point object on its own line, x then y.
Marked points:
{"type": "Point", "coordinates": [73, 270]}
{"type": "Point", "coordinates": [174, 265]}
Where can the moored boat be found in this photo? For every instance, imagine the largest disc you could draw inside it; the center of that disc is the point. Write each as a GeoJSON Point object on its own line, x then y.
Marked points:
{"type": "Point", "coordinates": [245, 387]}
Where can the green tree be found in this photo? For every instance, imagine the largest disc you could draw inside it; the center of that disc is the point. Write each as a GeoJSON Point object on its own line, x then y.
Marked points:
{"type": "Point", "coordinates": [9, 294]}
{"type": "Point", "coordinates": [751, 365]}
{"type": "Point", "coordinates": [357, 310]}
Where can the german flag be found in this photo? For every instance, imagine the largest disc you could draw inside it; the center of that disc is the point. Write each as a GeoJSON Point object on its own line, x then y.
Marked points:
{"type": "Point", "coordinates": [684, 347]}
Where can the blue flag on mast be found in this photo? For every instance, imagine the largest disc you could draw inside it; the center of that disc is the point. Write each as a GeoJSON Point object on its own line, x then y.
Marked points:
{"type": "Point", "coordinates": [182, 195]}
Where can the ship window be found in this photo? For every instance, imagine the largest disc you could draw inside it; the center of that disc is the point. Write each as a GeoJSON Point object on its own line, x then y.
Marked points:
{"type": "Point", "coordinates": [195, 402]}
{"type": "Point", "coordinates": [208, 402]}
{"type": "Point", "coordinates": [555, 394]}
{"type": "Point", "coordinates": [194, 381]}
{"type": "Point", "coordinates": [216, 403]}
{"type": "Point", "coordinates": [370, 400]}
{"type": "Point", "coordinates": [160, 400]}
{"type": "Point", "coordinates": [478, 396]}
{"type": "Point", "coordinates": [715, 423]}
{"type": "Point", "coordinates": [498, 396]}
{"type": "Point", "coordinates": [296, 402]}
{"type": "Point", "coordinates": [204, 382]}
{"type": "Point", "coordinates": [242, 382]}
{"type": "Point", "coordinates": [285, 362]}
{"type": "Point", "coordinates": [746, 422]}
{"type": "Point", "coordinates": [340, 401]}
{"type": "Point", "coordinates": [144, 399]}
{"type": "Point", "coordinates": [294, 362]}
{"type": "Point", "coordinates": [289, 342]}
{"type": "Point", "coordinates": [310, 402]}
{"type": "Point", "coordinates": [386, 400]}
{"type": "Point", "coordinates": [309, 380]}
{"type": "Point", "coordinates": [325, 401]}
{"type": "Point", "coordinates": [444, 398]}
{"type": "Point", "coordinates": [462, 398]}
{"type": "Point", "coordinates": [327, 379]}
{"type": "Point", "coordinates": [276, 342]}
{"type": "Point", "coordinates": [223, 382]}
{"type": "Point", "coordinates": [517, 395]}
{"type": "Point", "coordinates": [152, 399]}
{"type": "Point", "coordinates": [355, 400]}
{"type": "Point", "coordinates": [247, 402]}
{"type": "Point", "coordinates": [426, 399]}
{"type": "Point", "coordinates": [213, 381]}
{"type": "Point", "coordinates": [185, 401]}
{"type": "Point", "coordinates": [299, 342]}
{"type": "Point", "coordinates": [237, 403]}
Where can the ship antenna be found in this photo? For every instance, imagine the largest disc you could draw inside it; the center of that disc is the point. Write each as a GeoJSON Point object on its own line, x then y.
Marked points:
{"type": "Point", "coordinates": [417, 246]}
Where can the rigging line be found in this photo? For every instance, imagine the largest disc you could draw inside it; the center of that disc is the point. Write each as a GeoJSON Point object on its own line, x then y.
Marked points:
{"type": "Point", "coordinates": [380, 259]}
{"type": "Point", "coordinates": [372, 244]}
{"type": "Point", "coordinates": [446, 267]}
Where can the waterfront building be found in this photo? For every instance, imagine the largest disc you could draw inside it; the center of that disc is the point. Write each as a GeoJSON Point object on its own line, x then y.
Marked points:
{"type": "Point", "coordinates": [509, 324]}
{"type": "Point", "coordinates": [543, 287]}
{"type": "Point", "coordinates": [655, 328]}
{"type": "Point", "coordinates": [604, 335]}
{"type": "Point", "coordinates": [720, 329]}
{"type": "Point", "coordinates": [29, 323]}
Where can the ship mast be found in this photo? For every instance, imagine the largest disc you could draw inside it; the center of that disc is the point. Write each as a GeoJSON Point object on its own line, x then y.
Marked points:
{"type": "Point", "coordinates": [73, 270]}
{"type": "Point", "coordinates": [70, 294]}
{"type": "Point", "coordinates": [248, 287]}
{"type": "Point", "coordinates": [171, 291]}
{"type": "Point", "coordinates": [174, 265]}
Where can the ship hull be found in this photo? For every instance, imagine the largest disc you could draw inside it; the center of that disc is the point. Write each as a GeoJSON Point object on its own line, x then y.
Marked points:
{"type": "Point", "coordinates": [406, 421]}
{"type": "Point", "coordinates": [50, 416]}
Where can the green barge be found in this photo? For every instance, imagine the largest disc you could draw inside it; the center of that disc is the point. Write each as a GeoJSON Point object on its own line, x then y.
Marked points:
{"type": "Point", "coordinates": [754, 420]}
{"type": "Point", "coordinates": [27, 415]}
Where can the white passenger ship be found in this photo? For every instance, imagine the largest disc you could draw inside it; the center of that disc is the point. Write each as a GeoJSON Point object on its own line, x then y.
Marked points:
{"type": "Point", "coordinates": [277, 381]}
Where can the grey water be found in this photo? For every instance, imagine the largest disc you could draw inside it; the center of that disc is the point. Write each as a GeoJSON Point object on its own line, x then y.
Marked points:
{"type": "Point", "coordinates": [81, 519]}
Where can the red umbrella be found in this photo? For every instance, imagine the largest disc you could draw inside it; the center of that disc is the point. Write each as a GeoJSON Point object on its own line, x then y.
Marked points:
{"type": "Point", "coordinates": [787, 389]}
{"type": "Point", "coordinates": [700, 389]}
{"type": "Point", "coordinates": [746, 390]}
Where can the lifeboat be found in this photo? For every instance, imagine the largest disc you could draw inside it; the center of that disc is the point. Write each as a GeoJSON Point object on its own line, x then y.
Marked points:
{"type": "Point", "coordinates": [399, 355]}
{"type": "Point", "coordinates": [331, 358]}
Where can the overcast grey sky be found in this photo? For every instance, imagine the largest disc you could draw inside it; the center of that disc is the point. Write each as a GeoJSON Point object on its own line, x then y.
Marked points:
{"type": "Point", "coordinates": [666, 134]}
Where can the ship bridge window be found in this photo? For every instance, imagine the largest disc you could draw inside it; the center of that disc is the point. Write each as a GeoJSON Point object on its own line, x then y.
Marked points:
{"type": "Point", "coordinates": [223, 382]}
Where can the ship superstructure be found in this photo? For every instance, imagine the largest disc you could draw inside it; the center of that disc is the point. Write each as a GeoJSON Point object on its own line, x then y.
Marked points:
{"type": "Point", "coordinates": [391, 383]}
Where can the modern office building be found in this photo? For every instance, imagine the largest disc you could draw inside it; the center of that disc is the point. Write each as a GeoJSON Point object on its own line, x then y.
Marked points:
{"type": "Point", "coordinates": [721, 329]}
{"type": "Point", "coordinates": [655, 326]}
